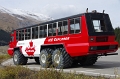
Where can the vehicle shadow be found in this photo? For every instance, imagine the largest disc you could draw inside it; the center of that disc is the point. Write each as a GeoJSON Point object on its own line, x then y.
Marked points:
{"type": "Point", "coordinates": [99, 65]}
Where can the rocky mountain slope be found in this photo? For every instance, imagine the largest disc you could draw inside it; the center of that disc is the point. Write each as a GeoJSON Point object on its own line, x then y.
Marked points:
{"type": "Point", "coordinates": [15, 18]}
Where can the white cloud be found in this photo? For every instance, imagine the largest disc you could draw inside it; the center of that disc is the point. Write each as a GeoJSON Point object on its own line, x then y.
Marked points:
{"type": "Point", "coordinates": [62, 8]}
{"type": "Point", "coordinates": [60, 11]}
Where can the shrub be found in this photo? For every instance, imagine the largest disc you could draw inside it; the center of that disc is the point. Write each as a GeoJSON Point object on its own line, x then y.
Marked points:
{"type": "Point", "coordinates": [19, 72]}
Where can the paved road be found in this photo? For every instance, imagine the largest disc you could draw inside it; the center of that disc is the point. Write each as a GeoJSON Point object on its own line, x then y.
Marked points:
{"type": "Point", "coordinates": [108, 66]}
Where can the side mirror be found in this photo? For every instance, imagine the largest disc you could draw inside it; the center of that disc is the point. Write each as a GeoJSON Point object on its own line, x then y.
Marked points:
{"type": "Point", "coordinates": [11, 34]}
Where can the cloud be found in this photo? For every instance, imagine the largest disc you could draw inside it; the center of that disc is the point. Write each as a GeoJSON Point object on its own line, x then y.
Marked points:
{"type": "Point", "coordinates": [63, 8]}
{"type": "Point", "coordinates": [59, 11]}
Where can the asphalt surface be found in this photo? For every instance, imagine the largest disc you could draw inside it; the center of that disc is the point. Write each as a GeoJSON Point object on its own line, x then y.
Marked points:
{"type": "Point", "coordinates": [107, 66]}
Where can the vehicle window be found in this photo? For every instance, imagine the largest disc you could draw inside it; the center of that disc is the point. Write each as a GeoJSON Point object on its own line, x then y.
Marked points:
{"type": "Point", "coordinates": [74, 25]}
{"type": "Point", "coordinates": [17, 35]}
{"type": "Point", "coordinates": [63, 27]}
{"type": "Point", "coordinates": [52, 29]}
{"type": "Point", "coordinates": [34, 32]}
{"type": "Point", "coordinates": [28, 33]}
{"type": "Point", "coordinates": [99, 25]}
{"type": "Point", "coordinates": [43, 31]}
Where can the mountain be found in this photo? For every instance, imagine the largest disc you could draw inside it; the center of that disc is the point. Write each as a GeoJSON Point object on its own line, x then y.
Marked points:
{"type": "Point", "coordinates": [15, 18]}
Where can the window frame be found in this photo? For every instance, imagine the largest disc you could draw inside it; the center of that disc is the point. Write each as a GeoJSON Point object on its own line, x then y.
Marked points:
{"type": "Point", "coordinates": [74, 29]}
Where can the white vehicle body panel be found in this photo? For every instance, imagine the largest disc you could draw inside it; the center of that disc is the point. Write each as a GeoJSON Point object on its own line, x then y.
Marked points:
{"type": "Point", "coordinates": [36, 43]}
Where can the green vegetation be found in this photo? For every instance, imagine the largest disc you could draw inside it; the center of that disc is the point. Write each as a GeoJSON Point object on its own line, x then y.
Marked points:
{"type": "Point", "coordinates": [4, 57]}
{"type": "Point", "coordinates": [19, 72]}
{"type": "Point", "coordinates": [117, 34]}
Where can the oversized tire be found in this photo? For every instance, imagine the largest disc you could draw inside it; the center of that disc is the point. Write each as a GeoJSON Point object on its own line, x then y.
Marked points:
{"type": "Point", "coordinates": [88, 60]}
{"type": "Point", "coordinates": [19, 58]}
{"type": "Point", "coordinates": [37, 60]}
{"type": "Point", "coordinates": [46, 57]}
{"type": "Point", "coordinates": [61, 59]}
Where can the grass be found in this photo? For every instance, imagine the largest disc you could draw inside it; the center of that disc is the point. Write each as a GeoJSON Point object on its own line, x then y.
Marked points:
{"type": "Point", "coordinates": [3, 53]}
{"type": "Point", "coordinates": [4, 57]}
{"type": "Point", "coordinates": [19, 72]}
{"type": "Point", "coordinates": [3, 49]}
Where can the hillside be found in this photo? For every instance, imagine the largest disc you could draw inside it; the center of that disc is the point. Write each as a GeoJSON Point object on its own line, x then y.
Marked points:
{"type": "Point", "coordinates": [15, 18]}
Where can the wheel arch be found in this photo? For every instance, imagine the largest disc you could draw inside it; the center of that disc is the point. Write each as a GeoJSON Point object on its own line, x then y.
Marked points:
{"type": "Point", "coordinates": [53, 46]}
{"type": "Point", "coordinates": [17, 48]}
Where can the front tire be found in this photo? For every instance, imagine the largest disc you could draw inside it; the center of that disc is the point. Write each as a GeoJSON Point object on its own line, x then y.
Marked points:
{"type": "Point", "coordinates": [61, 59]}
{"type": "Point", "coordinates": [45, 57]}
{"type": "Point", "coordinates": [19, 58]}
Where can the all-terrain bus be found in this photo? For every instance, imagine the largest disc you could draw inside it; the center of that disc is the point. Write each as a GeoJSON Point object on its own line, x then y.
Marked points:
{"type": "Point", "coordinates": [80, 38]}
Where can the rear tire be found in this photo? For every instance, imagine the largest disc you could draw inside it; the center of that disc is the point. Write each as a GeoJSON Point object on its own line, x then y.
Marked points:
{"type": "Point", "coordinates": [37, 60]}
{"type": "Point", "coordinates": [61, 59]}
{"type": "Point", "coordinates": [19, 58]}
{"type": "Point", "coordinates": [45, 57]}
{"type": "Point", "coordinates": [89, 60]}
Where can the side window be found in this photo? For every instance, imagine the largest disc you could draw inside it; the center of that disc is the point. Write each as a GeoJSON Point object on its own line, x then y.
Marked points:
{"type": "Point", "coordinates": [63, 27]}
{"type": "Point", "coordinates": [43, 31]}
{"type": "Point", "coordinates": [27, 33]}
{"type": "Point", "coordinates": [22, 35]}
{"type": "Point", "coordinates": [34, 32]}
{"type": "Point", "coordinates": [52, 29]}
{"type": "Point", "coordinates": [74, 25]}
{"type": "Point", "coordinates": [17, 35]}
{"type": "Point", "coordinates": [60, 28]}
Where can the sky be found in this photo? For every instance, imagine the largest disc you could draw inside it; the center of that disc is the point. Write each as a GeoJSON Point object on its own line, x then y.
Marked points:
{"type": "Point", "coordinates": [62, 8]}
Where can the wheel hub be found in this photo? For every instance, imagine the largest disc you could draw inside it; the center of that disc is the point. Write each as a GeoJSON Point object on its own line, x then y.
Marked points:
{"type": "Point", "coordinates": [15, 58]}
{"type": "Point", "coordinates": [43, 58]}
{"type": "Point", "coordinates": [57, 58]}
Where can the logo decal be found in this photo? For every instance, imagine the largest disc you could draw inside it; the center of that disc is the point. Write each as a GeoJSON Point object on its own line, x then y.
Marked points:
{"type": "Point", "coordinates": [58, 39]}
{"type": "Point", "coordinates": [30, 49]}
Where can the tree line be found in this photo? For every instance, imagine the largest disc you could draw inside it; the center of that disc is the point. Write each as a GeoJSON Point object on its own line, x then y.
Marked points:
{"type": "Point", "coordinates": [117, 34]}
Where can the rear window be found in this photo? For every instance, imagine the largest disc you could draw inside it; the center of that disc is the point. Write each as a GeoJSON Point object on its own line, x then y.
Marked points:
{"type": "Point", "coordinates": [99, 26]}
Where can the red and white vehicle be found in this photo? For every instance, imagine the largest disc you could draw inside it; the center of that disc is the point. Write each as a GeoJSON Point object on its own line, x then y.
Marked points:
{"type": "Point", "coordinates": [79, 38]}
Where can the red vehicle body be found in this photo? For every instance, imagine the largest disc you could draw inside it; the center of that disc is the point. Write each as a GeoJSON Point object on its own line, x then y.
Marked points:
{"type": "Point", "coordinates": [85, 37]}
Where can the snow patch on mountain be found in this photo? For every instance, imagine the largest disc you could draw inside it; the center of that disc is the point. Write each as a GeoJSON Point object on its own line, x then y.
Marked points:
{"type": "Point", "coordinates": [23, 13]}
{"type": "Point", "coordinates": [36, 16]}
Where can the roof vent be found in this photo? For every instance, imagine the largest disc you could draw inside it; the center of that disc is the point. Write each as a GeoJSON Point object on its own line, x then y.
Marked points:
{"type": "Point", "coordinates": [94, 11]}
